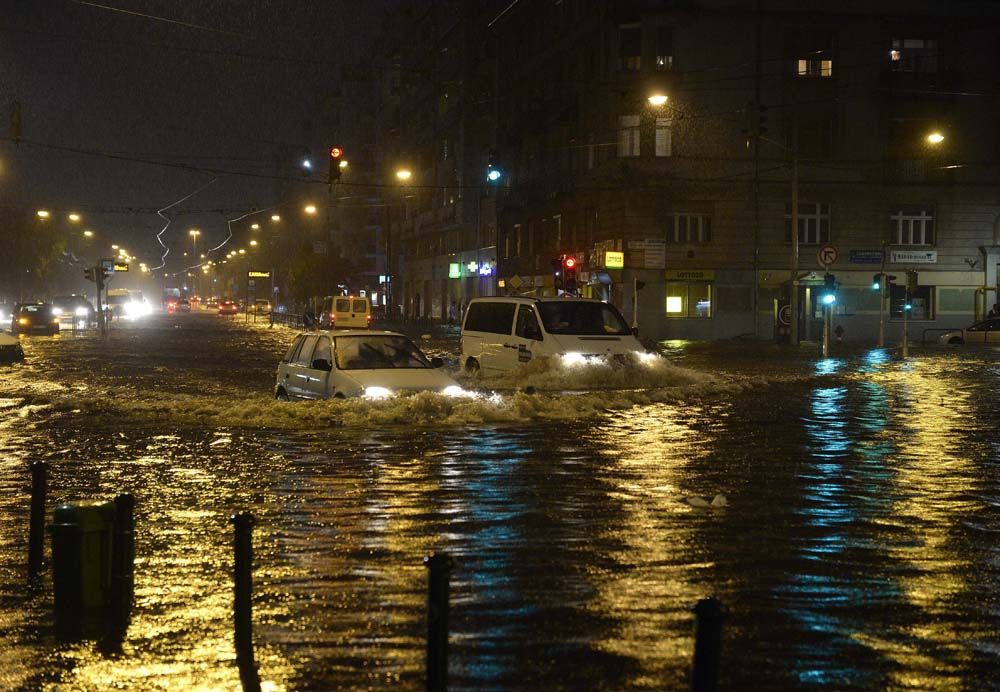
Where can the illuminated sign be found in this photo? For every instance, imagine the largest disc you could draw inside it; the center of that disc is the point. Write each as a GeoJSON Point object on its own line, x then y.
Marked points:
{"type": "Point", "coordinates": [257, 274]}
{"type": "Point", "coordinates": [121, 267]}
{"type": "Point", "coordinates": [614, 260]}
{"type": "Point", "coordinates": [454, 270]}
{"type": "Point", "coordinates": [689, 275]}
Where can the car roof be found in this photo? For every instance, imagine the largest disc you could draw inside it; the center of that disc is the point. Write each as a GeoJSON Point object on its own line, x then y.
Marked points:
{"type": "Point", "coordinates": [353, 332]}
{"type": "Point", "coordinates": [529, 300]}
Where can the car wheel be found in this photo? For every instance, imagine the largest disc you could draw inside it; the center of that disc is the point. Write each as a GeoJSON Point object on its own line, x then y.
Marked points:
{"type": "Point", "coordinates": [281, 395]}
{"type": "Point", "coordinates": [956, 340]}
{"type": "Point", "coordinates": [472, 366]}
{"type": "Point", "coordinates": [339, 395]}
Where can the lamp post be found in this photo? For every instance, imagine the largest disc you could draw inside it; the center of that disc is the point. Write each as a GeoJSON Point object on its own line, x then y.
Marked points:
{"type": "Point", "coordinates": [194, 233]}
{"type": "Point", "coordinates": [403, 175]}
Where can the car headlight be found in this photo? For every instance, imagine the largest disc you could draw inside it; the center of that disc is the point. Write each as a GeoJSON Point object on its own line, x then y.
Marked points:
{"type": "Point", "coordinates": [81, 311]}
{"type": "Point", "coordinates": [23, 320]}
{"type": "Point", "coordinates": [57, 311]}
{"type": "Point", "coordinates": [647, 358]}
{"type": "Point", "coordinates": [377, 393]}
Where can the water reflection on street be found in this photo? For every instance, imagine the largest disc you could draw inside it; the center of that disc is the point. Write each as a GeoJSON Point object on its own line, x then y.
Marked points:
{"type": "Point", "coordinates": [858, 548]}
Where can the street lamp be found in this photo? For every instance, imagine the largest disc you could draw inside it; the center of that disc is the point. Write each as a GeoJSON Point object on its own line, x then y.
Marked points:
{"type": "Point", "coordinates": [43, 213]}
{"type": "Point", "coordinates": [310, 209]}
{"type": "Point", "coordinates": [114, 247]}
{"type": "Point", "coordinates": [88, 234]}
{"type": "Point", "coordinates": [74, 217]}
{"type": "Point", "coordinates": [253, 243]}
{"type": "Point", "coordinates": [935, 138]}
{"type": "Point", "coordinates": [275, 217]}
{"type": "Point", "coordinates": [255, 226]}
{"type": "Point", "coordinates": [403, 175]}
{"type": "Point", "coordinates": [657, 99]}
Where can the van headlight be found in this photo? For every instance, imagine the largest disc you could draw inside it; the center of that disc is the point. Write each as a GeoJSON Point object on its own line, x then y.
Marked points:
{"type": "Point", "coordinates": [377, 393]}
{"type": "Point", "coordinates": [456, 391]}
{"type": "Point", "coordinates": [81, 311]}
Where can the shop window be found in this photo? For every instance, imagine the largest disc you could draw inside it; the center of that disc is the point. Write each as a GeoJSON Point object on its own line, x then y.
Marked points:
{"type": "Point", "coordinates": [912, 226]}
{"type": "Point", "coordinates": [689, 300]}
{"type": "Point", "coordinates": [921, 302]}
{"type": "Point", "coordinates": [814, 223]}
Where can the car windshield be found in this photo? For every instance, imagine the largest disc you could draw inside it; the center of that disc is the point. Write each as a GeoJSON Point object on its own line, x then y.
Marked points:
{"type": "Point", "coordinates": [378, 353]}
{"type": "Point", "coordinates": [583, 318]}
{"type": "Point", "coordinates": [32, 308]}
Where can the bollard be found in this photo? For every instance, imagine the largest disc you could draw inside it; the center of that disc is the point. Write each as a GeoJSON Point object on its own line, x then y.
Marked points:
{"type": "Point", "coordinates": [242, 595]}
{"type": "Point", "coordinates": [36, 523]}
{"type": "Point", "coordinates": [707, 645]}
{"type": "Point", "coordinates": [122, 564]}
{"type": "Point", "coordinates": [439, 566]}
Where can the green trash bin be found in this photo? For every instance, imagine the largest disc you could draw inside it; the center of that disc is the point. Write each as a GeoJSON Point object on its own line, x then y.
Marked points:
{"type": "Point", "coordinates": [81, 557]}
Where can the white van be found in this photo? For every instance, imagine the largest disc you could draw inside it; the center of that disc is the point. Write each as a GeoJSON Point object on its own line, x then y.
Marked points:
{"type": "Point", "coordinates": [346, 312]}
{"type": "Point", "coordinates": [499, 334]}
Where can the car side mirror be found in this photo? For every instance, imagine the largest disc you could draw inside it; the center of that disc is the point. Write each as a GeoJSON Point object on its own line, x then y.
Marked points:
{"type": "Point", "coordinates": [437, 362]}
{"type": "Point", "coordinates": [635, 332]}
{"type": "Point", "coordinates": [322, 364]}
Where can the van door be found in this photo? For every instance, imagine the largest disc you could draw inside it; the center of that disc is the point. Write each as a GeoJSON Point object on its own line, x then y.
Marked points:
{"type": "Point", "coordinates": [527, 335]}
{"type": "Point", "coordinates": [487, 335]}
{"type": "Point", "coordinates": [360, 312]}
{"type": "Point", "coordinates": [299, 369]}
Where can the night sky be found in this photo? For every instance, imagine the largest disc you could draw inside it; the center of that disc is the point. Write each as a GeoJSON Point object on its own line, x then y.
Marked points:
{"type": "Point", "coordinates": [233, 85]}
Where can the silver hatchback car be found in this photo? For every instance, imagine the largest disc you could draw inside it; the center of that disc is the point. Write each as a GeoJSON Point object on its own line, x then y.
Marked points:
{"type": "Point", "coordinates": [352, 363]}
{"type": "Point", "coordinates": [985, 332]}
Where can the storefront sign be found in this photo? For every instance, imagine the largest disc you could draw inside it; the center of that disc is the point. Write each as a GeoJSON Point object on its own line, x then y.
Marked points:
{"type": "Point", "coordinates": [614, 260]}
{"type": "Point", "coordinates": [647, 254]}
{"type": "Point", "coordinates": [257, 274]}
{"type": "Point", "coordinates": [866, 257]}
{"type": "Point", "coordinates": [913, 257]}
{"type": "Point", "coordinates": [454, 270]}
{"type": "Point", "coordinates": [689, 275]}
{"type": "Point", "coordinates": [121, 267]}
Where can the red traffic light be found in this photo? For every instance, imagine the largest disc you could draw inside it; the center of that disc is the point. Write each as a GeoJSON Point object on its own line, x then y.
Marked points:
{"type": "Point", "coordinates": [570, 263]}
{"type": "Point", "coordinates": [336, 152]}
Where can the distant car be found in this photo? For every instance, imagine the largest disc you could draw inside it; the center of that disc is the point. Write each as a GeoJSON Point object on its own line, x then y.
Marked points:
{"type": "Point", "coordinates": [10, 349]}
{"type": "Point", "coordinates": [35, 317]}
{"type": "Point", "coordinates": [75, 309]}
{"type": "Point", "coordinates": [212, 304]}
{"type": "Point", "coordinates": [353, 363]}
{"type": "Point", "coordinates": [985, 332]}
{"type": "Point", "coordinates": [228, 307]}
{"type": "Point", "coordinates": [261, 306]}
{"type": "Point", "coordinates": [172, 306]}
{"type": "Point", "coordinates": [184, 305]}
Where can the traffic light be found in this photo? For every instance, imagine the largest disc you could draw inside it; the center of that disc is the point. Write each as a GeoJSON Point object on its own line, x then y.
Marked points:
{"type": "Point", "coordinates": [877, 282]}
{"type": "Point", "coordinates": [493, 171]}
{"type": "Point", "coordinates": [828, 296]}
{"type": "Point", "coordinates": [569, 274]}
{"type": "Point", "coordinates": [336, 159]}
{"type": "Point", "coordinates": [88, 274]}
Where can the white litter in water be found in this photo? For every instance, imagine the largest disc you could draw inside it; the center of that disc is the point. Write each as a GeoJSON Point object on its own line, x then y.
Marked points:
{"type": "Point", "coordinates": [718, 502]}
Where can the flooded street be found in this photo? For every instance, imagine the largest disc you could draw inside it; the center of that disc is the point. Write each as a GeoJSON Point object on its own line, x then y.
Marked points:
{"type": "Point", "coordinates": [859, 547]}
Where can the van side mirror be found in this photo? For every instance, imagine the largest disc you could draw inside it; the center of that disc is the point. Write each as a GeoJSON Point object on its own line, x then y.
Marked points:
{"type": "Point", "coordinates": [635, 332]}
{"type": "Point", "coordinates": [322, 364]}
{"type": "Point", "coordinates": [437, 362]}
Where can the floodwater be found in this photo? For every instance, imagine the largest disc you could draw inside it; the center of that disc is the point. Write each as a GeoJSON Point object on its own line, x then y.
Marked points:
{"type": "Point", "coordinates": [859, 547]}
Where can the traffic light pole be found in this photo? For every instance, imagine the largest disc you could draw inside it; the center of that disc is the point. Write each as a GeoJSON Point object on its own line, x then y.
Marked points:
{"type": "Point", "coordinates": [793, 337]}
{"type": "Point", "coordinates": [881, 301]}
{"type": "Point", "coordinates": [906, 328]}
{"type": "Point", "coordinates": [99, 280]}
{"type": "Point", "coordinates": [827, 313]}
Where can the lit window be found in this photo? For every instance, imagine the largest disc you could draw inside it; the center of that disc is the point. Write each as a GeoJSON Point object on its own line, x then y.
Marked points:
{"type": "Point", "coordinates": [689, 300]}
{"type": "Point", "coordinates": [815, 67]}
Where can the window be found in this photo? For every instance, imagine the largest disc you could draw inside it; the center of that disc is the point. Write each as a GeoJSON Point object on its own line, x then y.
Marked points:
{"type": "Point", "coordinates": [517, 240]}
{"type": "Point", "coordinates": [527, 324]}
{"type": "Point", "coordinates": [913, 55]}
{"type": "Point", "coordinates": [628, 136]}
{"type": "Point", "coordinates": [495, 318]}
{"type": "Point", "coordinates": [688, 228]}
{"type": "Point", "coordinates": [689, 300]}
{"type": "Point", "coordinates": [323, 351]}
{"type": "Point", "coordinates": [378, 352]}
{"type": "Point", "coordinates": [359, 306]}
{"type": "Point", "coordinates": [293, 349]}
{"type": "Point", "coordinates": [912, 226]}
{"type": "Point", "coordinates": [814, 223]}
{"type": "Point", "coordinates": [304, 356]}
{"type": "Point", "coordinates": [921, 307]}
{"type": "Point", "coordinates": [818, 66]}
{"type": "Point", "coordinates": [664, 57]}
{"type": "Point", "coordinates": [342, 305]}
{"type": "Point", "coordinates": [630, 47]}
{"type": "Point", "coordinates": [663, 136]}
{"type": "Point", "coordinates": [582, 318]}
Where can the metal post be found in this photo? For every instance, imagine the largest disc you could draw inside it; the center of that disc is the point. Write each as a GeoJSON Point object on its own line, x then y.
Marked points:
{"type": "Point", "coordinates": [36, 522]}
{"type": "Point", "coordinates": [67, 586]}
{"type": "Point", "coordinates": [906, 327]}
{"type": "Point", "coordinates": [707, 645]}
{"type": "Point", "coordinates": [439, 566]}
{"type": "Point", "coordinates": [242, 596]}
{"type": "Point", "coordinates": [122, 563]}
{"type": "Point", "coordinates": [635, 303]}
{"type": "Point", "coordinates": [794, 297]}
{"type": "Point", "coordinates": [826, 330]}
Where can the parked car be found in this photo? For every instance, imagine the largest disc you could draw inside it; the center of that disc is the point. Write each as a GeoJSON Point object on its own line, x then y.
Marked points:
{"type": "Point", "coordinates": [228, 307]}
{"type": "Point", "coordinates": [10, 349]}
{"type": "Point", "coordinates": [985, 332]}
{"type": "Point", "coordinates": [499, 334]}
{"type": "Point", "coordinates": [353, 363]}
{"type": "Point", "coordinates": [35, 317]}
{"type": "Point", "coordinates": [346, 312]}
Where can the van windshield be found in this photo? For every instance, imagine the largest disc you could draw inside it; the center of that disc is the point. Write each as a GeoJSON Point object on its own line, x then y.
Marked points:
{"type": "Point", "coordinates": [583, 318]}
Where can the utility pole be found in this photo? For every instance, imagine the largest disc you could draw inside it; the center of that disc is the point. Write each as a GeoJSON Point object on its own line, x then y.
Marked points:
{"type": "Point", "coordinates": [794, 297]}
{"type": "Point", "coordinates": [99, 280]}
{"type": "Point", "coordinates": [881, 301]}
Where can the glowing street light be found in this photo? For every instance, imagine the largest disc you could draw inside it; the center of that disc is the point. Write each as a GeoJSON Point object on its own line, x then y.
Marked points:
{"type": "Point", "coordinates": [88, 234]}
{"type": "Point", "coordinates": [74, 217]}
{"type": "Point", "coordinates": [403, 174]}
{"type": "Point", "coordinates": [242, 251]}
{"type": "Point", "coordinates": [43, 213]}
{"type": "Point", "coordinates": [657, 100]}
{"type": "Point", "coordinates": [255, 226]}
{"type": "Point", "coordinates": [307, 164]}
{"type": "Point", "coordinates": [275, 217]}
{"type": "Point", "coordinates": [935, 138]}
{"type": "Point", "coordinates": [310, 209]}
{"type": "Point", "coordinates": [253, 243]}
{"type": "Point", "coordinates": [114, 247]}
{"type": "Point", "coordinates": [343, 163]}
